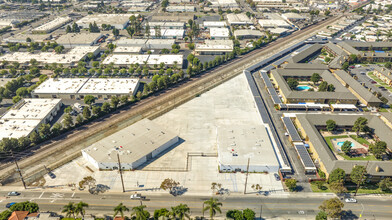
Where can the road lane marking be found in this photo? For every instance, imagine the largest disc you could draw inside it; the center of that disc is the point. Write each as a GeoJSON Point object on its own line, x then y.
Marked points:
{"type": "Point", "coordinates": [41, 195]}
{"type": "Point", "coordinates": [73, 194]}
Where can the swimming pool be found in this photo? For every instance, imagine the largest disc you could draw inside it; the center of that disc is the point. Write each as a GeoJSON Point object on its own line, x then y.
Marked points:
{"type": "Point", "coordinates": [301, 88]}
{"type": "Point", "coordinates": [342, 142]}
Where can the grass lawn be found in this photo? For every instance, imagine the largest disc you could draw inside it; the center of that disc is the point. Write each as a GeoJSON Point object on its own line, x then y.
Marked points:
{"type": "Point", "coordinates": [366, 189]}
{"type": "Point", "coordinates": [368, 157]}
{"type": "Point", "coordinates": [360, 140]}
{"type": "Point", "coordinates": [383, 110]}
{"type": "Point", "coordinates": [325, 188]}
{"type": "Point", "coordinates": [329, 142]}
{"type": "Point", "coordinates": [379, 81]}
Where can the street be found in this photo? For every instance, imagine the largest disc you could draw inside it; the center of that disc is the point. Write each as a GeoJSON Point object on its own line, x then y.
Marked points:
{"type": "Point", "coordinates": [285, 205]}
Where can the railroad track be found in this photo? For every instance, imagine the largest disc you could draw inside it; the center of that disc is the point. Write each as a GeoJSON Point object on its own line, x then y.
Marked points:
{"type": "Point", "coordinates": [150, 107]}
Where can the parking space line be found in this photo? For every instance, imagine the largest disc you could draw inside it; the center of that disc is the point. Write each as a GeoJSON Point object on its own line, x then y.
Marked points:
{"type": "Point", "coordinates": [41, 195]}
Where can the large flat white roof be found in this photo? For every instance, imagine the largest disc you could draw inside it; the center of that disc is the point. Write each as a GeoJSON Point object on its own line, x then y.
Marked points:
{"type": "Point", "coordinates": [78, 38]}
{"type": "Point", "coordinates": [87, 86]}
{"type": "Point", "coordinates": [131, 143]}
{"type": "Point", "coordinates": [169, 32]}
{"type": "Point", "coordinates": [238, 19]}
{"type": "Point", "coordinates": [127, 59]}
{"type": "Point", "coordinates": [25, 116]}
{"type": "Point", "coordinates": [215, 45]}
{"type": "Point", "coordinates": [214, 24]}
{"type": "Point", "coordinates": [121, 49]}
{"type": "Point", "coordinates": [58, 22]}
{"type": "Point", "coordinates": [166, 24]}
{"type": "Point", "coordinates": [74, 55]}
{"type": "Point", "coordinates": [273, 23]}
{"type": "Point", "coordinates": [238, 143]}
{"type": "Point", "coordinates": [219, 32]}
{"type": "Point", "coordinates": [100, 19]}
{"type": "Point", "coordinates": [36, 109]}
{"type": "Point", "coordinates": [109, 86]}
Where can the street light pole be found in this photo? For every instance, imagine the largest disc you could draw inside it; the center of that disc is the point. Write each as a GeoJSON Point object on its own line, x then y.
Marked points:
{"type": "Point", "coordinates": [119, 168]}
{"type": "Point", "coordinates": [17, 167]}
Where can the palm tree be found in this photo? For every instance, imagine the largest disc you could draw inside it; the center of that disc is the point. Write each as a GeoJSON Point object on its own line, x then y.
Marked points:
{"type": "Point", "coordinates": [212, 205]}
{"type": "Point", "coordinates": [181, 211]}
{"type": "Point", "coordinates": [138, 213]}
{"type": "Point", "coordinates": [120, 209]}
{"type": "Point", "coordinates": [69, 210]}
{"type": "Point", "coordinates": [79, 208]}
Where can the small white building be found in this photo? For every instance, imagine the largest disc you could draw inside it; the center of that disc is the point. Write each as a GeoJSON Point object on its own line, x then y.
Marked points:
{"type": "Point", "coordinates": [214, 24]}
{"type": "Point", "coordinates": [127, 50]}
{"type": "Point", "coordinates": [26, 116]}
{"type": "Point", "coordinates": [134, 145]}
{"type": "Point", "coordinates": [238, 19]}
{"type": "Point", "coordinates": [52, 25]}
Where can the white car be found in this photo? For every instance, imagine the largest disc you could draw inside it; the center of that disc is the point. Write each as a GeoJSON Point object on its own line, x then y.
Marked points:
{"type": "Point", "coordinates": [350, 200]}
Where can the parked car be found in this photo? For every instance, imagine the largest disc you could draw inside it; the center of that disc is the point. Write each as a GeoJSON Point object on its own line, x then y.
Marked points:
{"type": "Point", "coordinates": [10, 204]}
{"type": "Point", "coordinates": [277, 177]}
{"type": "Point", "coordinates": [13, 193]}
{"type": "Point", "coordinates": [350, 200]}
{"type": "Point", "coordinates": [374, 82]}
{"type": "Point", "coordinates": [137, 196]}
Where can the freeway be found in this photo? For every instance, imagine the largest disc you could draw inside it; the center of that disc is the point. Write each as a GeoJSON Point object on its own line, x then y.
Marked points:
{"type": "Point", "coordinates": [300, 206]}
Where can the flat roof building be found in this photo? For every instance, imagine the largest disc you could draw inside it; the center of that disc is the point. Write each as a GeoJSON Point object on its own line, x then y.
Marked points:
{"type": "Point", "coordinates": [168, 34]}
{"type": "Point", "coordinates": [26, 116]}
{"type": "Point", "coordinates": [248, 34]}
{"type": "Point", "coordinates": [238, 143]}
{"type": "Point", "coordinates": [214, 24]}
{"type": "Point", "coordinates": [165, 24]}
{"type": "Point", "coordinates": [293, 16]}
{"type": "Point", "coordinates": [52, 25]}
{"type": "Point", "coordinates": [180, 8]}
{"type": "Point", "coordinates": [69, 59]}
{"type": "Point", "coordinates": [119, 21]}
{"type": "Point", "coordinates": [72, 40]}
{"type": "Point", "coordinates": [128, 59]}
{"type": "Point", "coordinates": [219, 33]}
{"type": "Point", "coordinates": [22, 38]}
{"type": "Point", "coordinates": [127, 50]}
{"type": "Point", "coordinates": [75, 88]}
{"type": "Point", "coordinates": [214, 47]}
{"type": "Point", "coordinates": [238, 19]}
{"type": "Point", "coordinates": [134, 145]}
{"type": "Point", "coordinates": [146, 44]}
{"type": "Point", "coordinates": [269, 23]}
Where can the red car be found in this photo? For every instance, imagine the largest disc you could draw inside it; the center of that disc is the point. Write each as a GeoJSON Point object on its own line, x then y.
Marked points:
{"type": "Point", "coordinates": [374, 82]}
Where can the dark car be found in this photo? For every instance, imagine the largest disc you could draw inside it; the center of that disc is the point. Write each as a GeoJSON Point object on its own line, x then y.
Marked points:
{"type": "Point", "coordinates": [10, 204]}
{"type": "Point", "coordinates": [52, 175]}
{"type": "Point", "coordinates": [374, 82]}
{"type": "Point", "coordinates": [277, 177]}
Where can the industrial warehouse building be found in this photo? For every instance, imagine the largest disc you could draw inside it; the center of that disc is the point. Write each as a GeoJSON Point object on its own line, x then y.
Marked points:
{"type": "Point", "coordinates": [237, 144]}
{"type": "Point", "coordinates": [52, 25]}
{"type": "Point", "coordinates": [119, 21]}
{"type": "Point", "coordinates": [72, 40]}
{"type": "Point", "coordinates": [238, 19]}
{"type": "Point", "coordinates": [124, 60]}
{"type": "Point", "coordinates": [134, 145]}
{"type": "Point", "coordinates": [26, 116]}
{"type": "Point", "coordinates": [146, 44]}
{"type": "Point", "coordinates": [214, 47]}
{"type": "Point", "coordinates": [77, 88]}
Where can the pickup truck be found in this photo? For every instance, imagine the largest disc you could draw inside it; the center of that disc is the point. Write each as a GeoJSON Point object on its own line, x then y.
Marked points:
{"type": "Point", "coordinates": [137, 196]}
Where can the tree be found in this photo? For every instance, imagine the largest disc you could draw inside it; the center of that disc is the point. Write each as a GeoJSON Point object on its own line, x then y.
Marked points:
{"type": "Point", "coordinates": [56, 129]}
{"type": "Point", "coordinates": [44, 130]}
{"type": "Point", "coordinates": [213, 205]}
{"type": "Point", "coordinates": [249, 214]}
{"type": "Point", "coordinates": [34, 138]}
{"type": "Point", "coordinates": [86, 113]}
{"type": "Point", "coordinates": [291, 184]}
{"type": "Point", "coordinates": [79, 119]}
{"type": "Point", "coordinates": [114, 101]}
{"type": "Point", "coordinates": [293, 83]}
{"type": "Point", "coordinates": [169, 184]}
{"type": "Point", "coordinates": [331, 125]}
{"type": "Point", "coordinates": [16, 99]}
{"type": "Point", "coordinates": [69, 210]}
{"type": "Point", "coordinates": [80, 208]}
{"type": "Point", "coordinates": [385, 184]}
{"type": "Point", "coordinates": [235, 214]}
{"type": "Point", "coordinates": [315, 78]}
{"type": "Point", "coordinates": [31, 207]}
{"type": "Point", "coordinates": [319, 184]}
{"type": "Point", "coordinates": [358, 174]}
{"type": "Point", "coordinates": [181, 211]}
{"type": "Point", "coordinates": [337, 187]}
{"type": "Point", "coordinates": [120, 208]}
{"type": "Point", "coordinates": [190, 58]}
{"type": "Point", "coordinates": [105, 107]}
{"type": "Point", "coordinates": [59, 49]}
{"type": "Point", "coordinates": [321, 215]}
{"type": "Point", "coordinates": [22, 92]}
{"type": "Point", "coordinates": [360, 125]}
{"type": "Point", "coordinates": [346, 147]}
{"type": "Point", "coordinates": [160, 213]}
{"type": "Point", "coordinates": [331, 88]}
{"type": "Point", "coordinates": [67, 121]}
{"type": "Point", "coordinates": [138, 213]}
{"type": "Point", "coordinates": [336, 175]}
{"type": "Point", "coordinates": [256, 187]}
{"type": "Point", "coordinates": [378, 149]}
{"type": "Point", "coordinates": [323, 86]}
{"type": "Point", "coordinates": [89, 100]}
{"type": "Point", "coordinates": [333, 207]}
{"type": "Point", "coordinates": [326, 13]}
{"type": "Point", "coordinates": [116, 32]}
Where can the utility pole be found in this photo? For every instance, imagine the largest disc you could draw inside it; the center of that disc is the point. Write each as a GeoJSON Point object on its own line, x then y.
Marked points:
{"type": "Point", "coordinates": [119, 169]}
{"type": "Point", "coordinates": [247, 173]}
{"type": "Point", "coordinates": [17, 167]}
{"type": "Point", "coordinates": [359, 183]}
